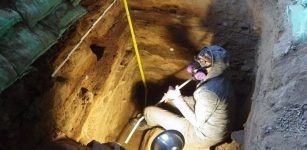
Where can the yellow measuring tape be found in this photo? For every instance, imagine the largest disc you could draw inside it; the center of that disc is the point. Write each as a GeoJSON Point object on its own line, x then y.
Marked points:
{"type": "Point", "coordinates": [136, 49]}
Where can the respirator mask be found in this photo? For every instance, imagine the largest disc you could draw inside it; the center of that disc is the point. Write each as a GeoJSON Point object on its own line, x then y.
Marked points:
{"type": "Point", "coordinates": [200, 63]}
{"type": "Point", "coordinates": [197, 71]}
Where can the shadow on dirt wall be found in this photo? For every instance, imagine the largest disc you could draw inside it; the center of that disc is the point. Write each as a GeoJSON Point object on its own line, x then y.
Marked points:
{"type": "Point", "coordinates": [232, 24]}
{"type": "Point", "coordinates": [156, 91]}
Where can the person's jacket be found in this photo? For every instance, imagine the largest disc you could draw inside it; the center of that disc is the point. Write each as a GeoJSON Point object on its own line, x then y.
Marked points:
{"type": "Point", "coordinates": [211, 113]}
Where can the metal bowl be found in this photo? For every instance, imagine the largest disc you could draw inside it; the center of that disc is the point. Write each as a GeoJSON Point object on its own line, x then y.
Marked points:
{"type": "Point", "coordinates": [168, 140]}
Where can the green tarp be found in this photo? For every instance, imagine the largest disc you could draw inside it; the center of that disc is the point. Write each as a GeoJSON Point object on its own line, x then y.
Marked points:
{"type": "Point", "coordinates": [63, 17]}
{"type": "Point", "coordinates": [22, 46]}
{"type": "Point", "coordinates": [298, 18]}
{"type": "Point", "coordinates": [8, 18]}
{"type": "Point", "coordinates": [7, 73]}
{"type": "Point", "coordinates": [303, 2]}
{"type": "Point", "coordinates": [33, 11]}
{"type": "Point", "coordinates": [75, 2]}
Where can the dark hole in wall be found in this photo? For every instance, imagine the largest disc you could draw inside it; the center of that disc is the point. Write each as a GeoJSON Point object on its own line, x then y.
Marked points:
{"type": "Point", "coordinates": [83, 90]}
{"type": "Point", "coordinates": [97, 50]}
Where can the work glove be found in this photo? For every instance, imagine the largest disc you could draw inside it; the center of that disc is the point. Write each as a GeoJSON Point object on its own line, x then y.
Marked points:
{"type": "Point", "coordinates": [172, 94]}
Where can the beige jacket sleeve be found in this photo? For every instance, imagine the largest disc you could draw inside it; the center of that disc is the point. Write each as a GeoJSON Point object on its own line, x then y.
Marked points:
{"type": "Point", "coordinates": [206, 102]}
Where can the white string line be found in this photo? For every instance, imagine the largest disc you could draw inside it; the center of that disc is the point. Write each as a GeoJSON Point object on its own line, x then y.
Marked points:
{"type": "Point", "coordinates": [133, 129]}
{"type": "Point", "coordinates": [81, 40]}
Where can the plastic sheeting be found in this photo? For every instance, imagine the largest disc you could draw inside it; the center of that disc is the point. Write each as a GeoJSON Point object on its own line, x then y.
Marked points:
{"type": "Point", "coordinates": [63, 17]}
{"type": "Point", "coordinates": [21, 46]}
{"type": "Point", "coordinates": [303, 2]}
{"type": "Point", "coordinates": [75, 2]}
{"type": "Point", "coordinates": [8, 18]}
{"type": "Point", "coordinates": [298, 18]}
{"type": "Point", "coordinates": [7, 73]}
{"type": "Point", "coordinates": [33, 11]}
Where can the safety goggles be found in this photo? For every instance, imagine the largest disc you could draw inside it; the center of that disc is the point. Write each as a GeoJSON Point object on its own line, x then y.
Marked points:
{"type": "Point", "coordinates": [204, 60]}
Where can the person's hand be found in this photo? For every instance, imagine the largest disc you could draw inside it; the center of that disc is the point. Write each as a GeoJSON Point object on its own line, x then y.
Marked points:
{"type": "Point", "coordinates": [172, 94]}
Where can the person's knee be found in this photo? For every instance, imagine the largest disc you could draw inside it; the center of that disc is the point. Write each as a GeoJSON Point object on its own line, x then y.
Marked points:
{"type": "Point", "coordinates": [150, 114]}
{"type": "Point", "coordinates": [149, 110]}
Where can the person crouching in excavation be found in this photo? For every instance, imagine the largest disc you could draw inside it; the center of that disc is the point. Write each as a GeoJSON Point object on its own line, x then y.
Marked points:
{"type": "Point", "coordinates": [206, 117]}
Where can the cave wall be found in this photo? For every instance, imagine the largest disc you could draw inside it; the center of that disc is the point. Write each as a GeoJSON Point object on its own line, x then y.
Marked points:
{"type": "Point", "coordinates": [89, 92]}
{"type": "Point", "coordinates": [93, 98]}
{"type": "Point", "coordinates": [278, 113]}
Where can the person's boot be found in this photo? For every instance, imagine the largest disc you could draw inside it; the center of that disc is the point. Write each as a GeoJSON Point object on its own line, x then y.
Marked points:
{"type": "Point", "coordinates": [142, 126]}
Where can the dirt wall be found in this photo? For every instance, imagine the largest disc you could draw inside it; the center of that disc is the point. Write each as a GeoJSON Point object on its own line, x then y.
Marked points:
{"type": "Point", "coordinates": [278, 113]}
